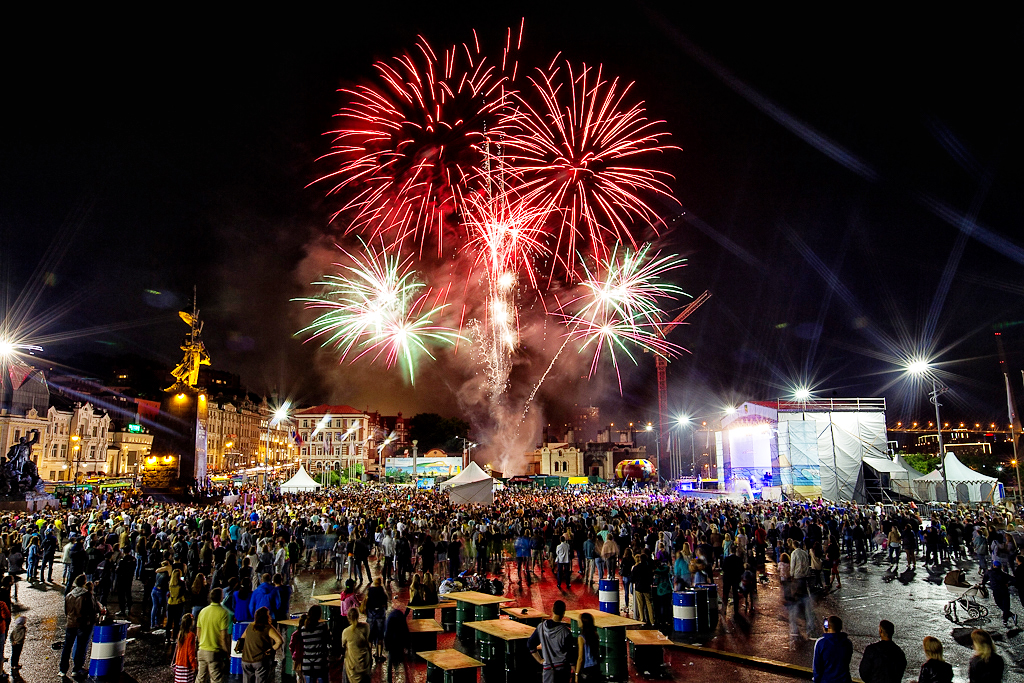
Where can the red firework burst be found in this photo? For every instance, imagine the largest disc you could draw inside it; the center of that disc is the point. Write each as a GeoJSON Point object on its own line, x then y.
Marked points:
{"type": "Point", "coordinates": [579, 153]}
{"type": "Point", "coordinates": [411, 146]}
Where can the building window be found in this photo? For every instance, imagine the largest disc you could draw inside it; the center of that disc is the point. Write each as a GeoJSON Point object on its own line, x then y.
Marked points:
{"type": "Point", "coordinates": [17, 434]}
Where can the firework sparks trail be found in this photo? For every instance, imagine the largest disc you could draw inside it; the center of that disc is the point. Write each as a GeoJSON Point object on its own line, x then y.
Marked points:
{"type": "Point", "coordinates": [411, 146]}
{"type": "Point", "coordinates": [620, 306]}
{"type": "Point", "coordinates": [376, 306]}
{"type": "Point", "coordinates": [445, 153]}
{"type": "Point", "coordinates": [580, 154]}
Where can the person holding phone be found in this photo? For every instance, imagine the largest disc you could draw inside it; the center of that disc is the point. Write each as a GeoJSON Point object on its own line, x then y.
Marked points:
{"type": "Point", "coordinates": [832, 654]}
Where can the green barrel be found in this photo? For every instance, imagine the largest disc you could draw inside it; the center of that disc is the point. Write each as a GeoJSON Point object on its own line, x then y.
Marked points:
{"type": "Point", "coordinates": [464, 613]}
{"type": "Point", "coordinates": [435, 674]}
{"type": "Point", "coordinates": [574, 628]}
{"type": "Point", "coordinates": [288, 666]}
{"type": "Point", "coordinates": [486, 612]}
{"type": "Point", "coordinates": [612, 642]}
{"type": "Point", "coordinates": [448, 619]}
{"type": "Point", "coordinates": [486, 647]}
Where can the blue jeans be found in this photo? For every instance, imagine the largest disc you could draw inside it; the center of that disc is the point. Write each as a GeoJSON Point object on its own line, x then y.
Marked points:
{"type": "Point", "coordinates": [79, 638]}
{"type": "Point", "coordinates": [159, 604]}
{"type": "Point", "coordinates": [599, 563]}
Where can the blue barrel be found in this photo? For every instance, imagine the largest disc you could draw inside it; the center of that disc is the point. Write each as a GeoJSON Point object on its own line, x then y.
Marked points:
{"type": "Point", "coordinates": [108, 643]}
{"type": "Point", "coordinates": [608, 596]}
{"type": "Point", "coordinates": [236, 657]}
{"type": "Point", "coordinates": [684, 611]}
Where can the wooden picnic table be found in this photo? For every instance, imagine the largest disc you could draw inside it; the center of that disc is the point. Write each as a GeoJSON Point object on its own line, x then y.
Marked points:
{"type": "Point", "coordinates": [647, 646]}
{"type": "Point", "coordinates": [527, 615]}
{"type": "Point", "coordinates": [423, 634]}
{"type": "Point", "coordinates": [456, 667]}
{"type": "Point", "coordinates": [501, 644]}
{"type": "Point", "coordinates": [611, 633]}
{"type": "Point", "coordinates": [473, 606]}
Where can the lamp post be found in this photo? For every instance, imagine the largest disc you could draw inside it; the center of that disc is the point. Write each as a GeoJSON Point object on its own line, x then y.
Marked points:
{"type": "Point", "coordinates": [650, 428]}
{"type": "Point", "coordinates": [76, 439]}
{"type": "Point", "coordinates": [922, 368]}
{"type": "Point", "coordinates": [467, 451]}
{"type": "Point", "coordinates": [278, 416]}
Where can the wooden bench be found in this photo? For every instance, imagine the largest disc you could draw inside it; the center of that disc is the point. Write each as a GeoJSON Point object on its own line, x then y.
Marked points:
{"type": "Point", "coordinates": [647, 647]}
{"type": "Point", "coordinates": [450, 666]}
{"type": "Point", "coordinates": [423, 634]}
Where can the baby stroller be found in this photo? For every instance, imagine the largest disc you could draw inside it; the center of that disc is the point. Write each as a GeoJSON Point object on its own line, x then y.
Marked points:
{"type": "Point", "coordinates": [966, 597]}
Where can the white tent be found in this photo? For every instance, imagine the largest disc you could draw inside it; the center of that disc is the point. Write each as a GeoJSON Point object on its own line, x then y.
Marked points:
{"type": "Point", "coordinates": [300, 483]}
{"type": "Point", "coordinates": [471, 485]}
{"type": "Point", "coordinates": [965, 485]}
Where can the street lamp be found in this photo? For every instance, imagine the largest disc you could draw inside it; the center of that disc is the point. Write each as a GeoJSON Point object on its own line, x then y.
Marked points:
{"type": "Point", "coordinates": [76, 440]}
{"type": "Point", "coordinates": [650, 428]}
{"type": "Point", "coordinates": [279, 415]}
{"type": "Point", "coordinates": [922, 368]}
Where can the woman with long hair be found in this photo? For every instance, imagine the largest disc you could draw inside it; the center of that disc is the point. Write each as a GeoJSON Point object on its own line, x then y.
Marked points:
{"type": "Point", "coordinates": [430, 589]}
{"type": "Point", "coordinates": [588, 661]}
{"type": "Point", "coordinates": [935, 669]}
{"type": "Point", "coordinates": [316, 642]}
{"type": "Point", "coordinates": [358, 658]}
{"type": "Point", "coordinates": [199, 591]}
{"type": "Point", "coordinates": [186, 659]}
{"type": "Point", "coordinates": [262, 642]}
{"type": "Point", "coordinates": [177, 595]}
{"type": "Point", "coordinates": [985, 666]}
{"type": "Point", "coordinates": [417, 596]}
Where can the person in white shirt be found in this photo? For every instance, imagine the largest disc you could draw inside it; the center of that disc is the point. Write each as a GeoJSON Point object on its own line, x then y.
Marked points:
{"type": "Point", "coordinates": [562, 554]}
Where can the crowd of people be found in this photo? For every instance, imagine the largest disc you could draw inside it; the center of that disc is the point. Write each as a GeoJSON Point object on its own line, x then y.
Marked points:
{"type": "Point", "coordinates": [203, 567]}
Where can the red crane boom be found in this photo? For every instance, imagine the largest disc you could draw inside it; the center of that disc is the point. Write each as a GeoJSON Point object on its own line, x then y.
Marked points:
{"type": "Point", "coordinates": [661, 364]}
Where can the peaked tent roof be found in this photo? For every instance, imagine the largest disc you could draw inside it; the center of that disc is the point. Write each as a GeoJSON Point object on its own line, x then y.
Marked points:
{"type": "Point", "coordinates": [300, 482]}
{"type": "Point", "coordinates": [471, 474]}
{"type": "Point", "coordinates": [957, 471]}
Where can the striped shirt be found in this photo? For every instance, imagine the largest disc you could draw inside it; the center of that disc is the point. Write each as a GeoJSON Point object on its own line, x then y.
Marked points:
{"type": "Point", "coordinates": [315, 644]}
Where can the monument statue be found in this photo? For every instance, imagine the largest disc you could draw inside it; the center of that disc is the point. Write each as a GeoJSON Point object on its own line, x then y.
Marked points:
{"type": "Point", "coordinates": [186, 373]}
{"type": "Point", "coordinates": [18, 474]}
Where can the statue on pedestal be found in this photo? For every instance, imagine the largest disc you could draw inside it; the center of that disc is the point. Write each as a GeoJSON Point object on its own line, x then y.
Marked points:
{"type": "Point", "coordinates": [18, 474]}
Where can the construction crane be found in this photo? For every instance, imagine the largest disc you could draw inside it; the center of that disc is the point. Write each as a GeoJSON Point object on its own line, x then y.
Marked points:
{"type": "Point", "coordinates": [661, 363]}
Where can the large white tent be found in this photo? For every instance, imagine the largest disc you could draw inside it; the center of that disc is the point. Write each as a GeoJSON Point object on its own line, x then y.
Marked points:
{"type": "Point", "coordinates": [471, 485]}
{"type": "Point", "coordinates": [300, 483]}
{"type": "Point", "coordinates": [965, 485]}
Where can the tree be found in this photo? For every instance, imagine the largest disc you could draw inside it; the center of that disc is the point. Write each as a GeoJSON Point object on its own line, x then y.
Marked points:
{"type": "Point", "coordinates": [433, 431]}
{"type": "Point", "coordinates": [922, 462]}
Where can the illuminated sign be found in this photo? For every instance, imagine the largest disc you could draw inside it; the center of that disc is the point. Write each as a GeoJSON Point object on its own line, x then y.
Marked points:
{"type": "Point", "coordinates": [135, 428]}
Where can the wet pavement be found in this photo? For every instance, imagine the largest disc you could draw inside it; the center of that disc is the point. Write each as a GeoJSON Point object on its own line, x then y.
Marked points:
{"type": "Point", "coordinates": [913, 601]}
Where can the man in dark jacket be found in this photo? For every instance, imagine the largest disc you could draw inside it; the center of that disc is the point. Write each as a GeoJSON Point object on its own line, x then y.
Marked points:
{"type": "Point", "coordinates": [82, 612]}
{"type": "Point", "coordinates": [884, 661]}
{"type": "Point", "coordinates": [832, 654]}
{"type": "Point", "coordinates": [555, 641]}
{"type": "Point", "coordinates": [732, 572]}
{"type": "Point", "coordinates": [396, 637]}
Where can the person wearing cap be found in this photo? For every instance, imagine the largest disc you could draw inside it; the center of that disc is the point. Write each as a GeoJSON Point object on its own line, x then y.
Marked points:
{"type": "Point", "coordinates": [999, 581]}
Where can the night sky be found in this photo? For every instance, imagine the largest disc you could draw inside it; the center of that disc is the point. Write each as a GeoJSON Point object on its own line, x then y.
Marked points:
{"type": "Point", "coordinates": [851, 186]}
